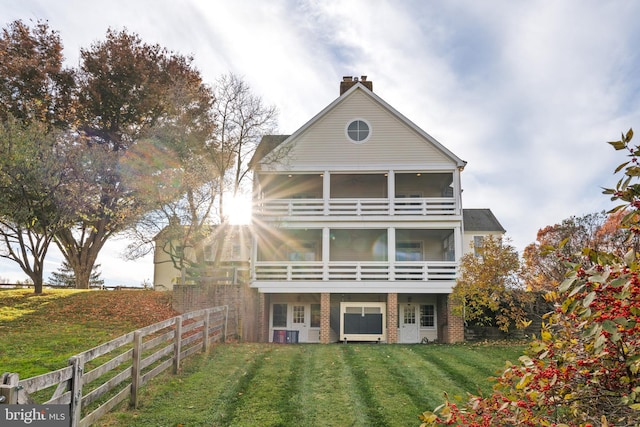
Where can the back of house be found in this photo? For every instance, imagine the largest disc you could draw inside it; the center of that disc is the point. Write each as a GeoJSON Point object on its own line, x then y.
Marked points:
{"type": "Point", "coordinates": [359, 228]}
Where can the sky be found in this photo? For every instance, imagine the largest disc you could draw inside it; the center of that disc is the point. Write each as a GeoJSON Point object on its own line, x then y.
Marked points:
{"type": "Point", "coordinates": [527, 93]}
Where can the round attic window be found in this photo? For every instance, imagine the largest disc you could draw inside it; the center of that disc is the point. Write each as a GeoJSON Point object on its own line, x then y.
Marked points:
{"type": "Point", "coordinates": [358, 131]}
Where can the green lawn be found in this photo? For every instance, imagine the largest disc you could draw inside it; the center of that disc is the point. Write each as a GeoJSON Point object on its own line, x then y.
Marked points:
{"type": "Point", "coordinates": [315, 385]}
{"type": "Point", "coordinates": [38, 333]}
{"type": "Point", "coordinates": [245, 384]}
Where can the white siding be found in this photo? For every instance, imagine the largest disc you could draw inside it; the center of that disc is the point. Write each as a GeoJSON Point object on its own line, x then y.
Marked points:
{"type": "Point", "coordinates": [324, 144]}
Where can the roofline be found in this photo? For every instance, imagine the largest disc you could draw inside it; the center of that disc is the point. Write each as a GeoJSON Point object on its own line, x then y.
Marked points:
{"type": "Point", "coordinates": [359, 86]}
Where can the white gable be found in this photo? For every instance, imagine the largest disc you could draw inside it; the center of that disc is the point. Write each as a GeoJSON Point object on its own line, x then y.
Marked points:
{"type": "Point", "coordinates": [394, 142]}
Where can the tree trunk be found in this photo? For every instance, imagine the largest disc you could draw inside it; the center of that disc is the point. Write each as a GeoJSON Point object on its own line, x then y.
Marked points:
{"type": "Point", "coordinates": [81, 255]}
{"type": "Point", "coordinates": [37, 285]}
{"type": "Point", "coordinates": [82, 276]}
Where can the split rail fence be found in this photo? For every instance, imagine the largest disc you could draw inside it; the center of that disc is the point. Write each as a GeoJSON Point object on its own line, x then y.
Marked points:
{"type": "Point", "coordinates": [97, 380]}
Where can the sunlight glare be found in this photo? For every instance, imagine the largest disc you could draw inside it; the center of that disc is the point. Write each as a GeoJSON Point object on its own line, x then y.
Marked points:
{"type": "Point", "coordinates": [238, 209]}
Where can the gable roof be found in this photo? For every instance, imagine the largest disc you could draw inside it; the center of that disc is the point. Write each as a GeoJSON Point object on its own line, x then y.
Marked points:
{"type": "Point", "coordinates": [267, 145]}
{"type": "Point", "coordinates": [480, 220]}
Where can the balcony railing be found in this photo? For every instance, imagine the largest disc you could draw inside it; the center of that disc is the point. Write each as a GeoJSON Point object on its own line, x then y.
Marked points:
{"type": "Point", "coordinates": [357, 207]}
{"type": "Point", "coordinates": [355, 271]}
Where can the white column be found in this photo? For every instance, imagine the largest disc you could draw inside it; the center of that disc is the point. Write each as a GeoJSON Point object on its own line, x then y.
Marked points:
{"type": "Point", "coordinates": [391, 190]}
{"type": "Point", "coordinates": [326, 191]}
{"type": "Point", "coordinates": [457, 191]}
{"type": "Point", "coordinates": [457, 234]}
{"type": "Point", "coordinates": [391, 252]}
{"type": "Point", "coordinates": [254, 256]}
{"type": "Point", "coordinates": [326, 241]}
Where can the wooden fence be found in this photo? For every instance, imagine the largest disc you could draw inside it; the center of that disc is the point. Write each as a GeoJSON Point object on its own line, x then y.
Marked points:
{"type": "Point", "coordinates": [97, 380]}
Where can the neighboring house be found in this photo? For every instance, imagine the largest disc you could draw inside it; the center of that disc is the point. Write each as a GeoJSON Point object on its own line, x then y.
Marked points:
{"type": "Point", "coordinates": [359, 227]}
{"type": "Point", "coordinates": [234, 256]}
{"type": "Point", "coordinates": [478, 224]}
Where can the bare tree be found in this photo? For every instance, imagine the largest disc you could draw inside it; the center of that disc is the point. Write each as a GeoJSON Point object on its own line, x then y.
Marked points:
{"type": "Point", "coordinates": [214, 167]}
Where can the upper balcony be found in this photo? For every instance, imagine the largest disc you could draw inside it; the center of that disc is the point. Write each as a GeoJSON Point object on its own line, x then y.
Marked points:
{"type": "Point", "coordinates": [307, 195]}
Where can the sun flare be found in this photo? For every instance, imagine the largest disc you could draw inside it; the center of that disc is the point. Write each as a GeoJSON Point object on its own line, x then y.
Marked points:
{"type": "Point", "coordinates": [238, 209]}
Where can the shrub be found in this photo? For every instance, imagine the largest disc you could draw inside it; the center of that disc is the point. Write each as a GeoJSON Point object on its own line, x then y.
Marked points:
{"type": "Point", "coordinates": [584, 368]}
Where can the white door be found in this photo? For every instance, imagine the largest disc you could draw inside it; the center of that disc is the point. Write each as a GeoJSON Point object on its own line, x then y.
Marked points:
{"type": "Point", "coordinates": [300, 321]}
{"type": "Point", "coordinates": [408, 323]}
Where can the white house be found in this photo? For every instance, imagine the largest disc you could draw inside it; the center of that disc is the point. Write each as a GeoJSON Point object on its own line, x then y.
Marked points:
{"type": "Point", "coordinates": [359, 227]}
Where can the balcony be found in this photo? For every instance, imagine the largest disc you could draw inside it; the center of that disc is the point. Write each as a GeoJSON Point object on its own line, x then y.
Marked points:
{"type": "Point", "coordinates": [308, 195]}
{"type": "Point", "coordinates": [355, 258]}
{"type": "Point", "coordinates": [356, 271]}
{"type": "Point", "coordinates": [285, 208]}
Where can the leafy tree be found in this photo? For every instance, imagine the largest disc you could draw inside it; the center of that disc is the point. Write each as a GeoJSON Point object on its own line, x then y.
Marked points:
{"type": "Point", "coordinates": [544, 260]}
{"type": "Point", "coordinates": [64, 277]}
{"type": "Point", "coordinates": [34, 86]}
{"type": "Point", "coordinates": [584, 369]}
{"type": "Point", "coordinates": [31, 185]}
{"type": "Point", "coordinates": [126, 91]}
{"type": "Point", "coordinates": [35, 95]}
{"type": "Point", "coordinates": [488, 290]}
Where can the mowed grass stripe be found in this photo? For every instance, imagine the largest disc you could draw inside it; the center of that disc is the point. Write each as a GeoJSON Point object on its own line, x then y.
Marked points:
{"type": "Point", "coordinates": [205, 392]}
{"type": "Point", "coordinates": [397, 403]}
{"type": "Point", "coordinates": [328, 394]}
{"type": "Point", "coordinates": [470, 367]}
{"type": "Point", "coordinates": [359, 385]}
{"type": "Point", "coordinates": [359, 362]}
{"type": "Point", "coordinates": [423, 381]}
{"type": "Point", "coordinates": [402, 384]}
{"type": "Point", "coordinates": [266, 398]}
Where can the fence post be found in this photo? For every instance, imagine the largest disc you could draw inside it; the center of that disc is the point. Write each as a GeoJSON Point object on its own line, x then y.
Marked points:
{"type": "Point", "coordinates": [205, 331]}
{"type": "Point", "coordinates": [9, 388]}
{"type": "Point", "coordinates": [226, 323]}
{"type": "Point", "coordinates": [75, 407]}
{"type": "Point", "coordinates": [135, 368]}
{"type": "Point", "coordinates": [177, 344]}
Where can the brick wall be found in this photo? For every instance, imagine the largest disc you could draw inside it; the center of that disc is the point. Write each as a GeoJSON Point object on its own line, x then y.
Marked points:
{"type": "Point", "coordinates": [325, 317]}
{"type": "Point", "coordinates": [244, 299]}
{"type": "Point", "coordinates": [392, 318]}
{"type": "Point", "coordinates": [455, 325]}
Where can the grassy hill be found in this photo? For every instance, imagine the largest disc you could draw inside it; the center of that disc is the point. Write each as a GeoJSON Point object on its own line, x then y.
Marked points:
{"type": "Point", "coordinates": [38, 333]}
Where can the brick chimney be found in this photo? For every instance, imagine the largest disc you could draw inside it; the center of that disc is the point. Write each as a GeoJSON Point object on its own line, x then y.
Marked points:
{"type": "Point", "coordinates": [349, 81]}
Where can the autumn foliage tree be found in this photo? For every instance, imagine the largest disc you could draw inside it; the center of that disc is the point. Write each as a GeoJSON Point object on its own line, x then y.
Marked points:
{"type": "Point", "coordinates": [31, 188]}
{"type": "Point", "coordinates": [583, 369]}
{"type": "Point", "coordinates": [544, 260]}
{"type": "Point", "coordinates": [35, 98]}
{"type": "Point", "coordinates": [126, 90]}
{"type": "Point", "coordinates": [488, 291]}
